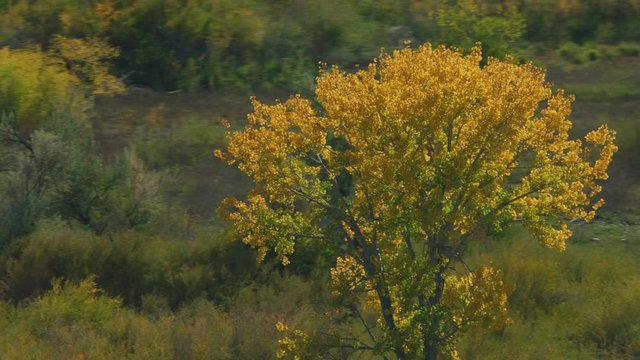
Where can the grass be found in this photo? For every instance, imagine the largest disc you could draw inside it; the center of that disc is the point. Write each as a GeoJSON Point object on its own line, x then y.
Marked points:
{"type": "Point", "coordinates": [176, 134]}
{"type": "Point", "coordinates": [582, 303]}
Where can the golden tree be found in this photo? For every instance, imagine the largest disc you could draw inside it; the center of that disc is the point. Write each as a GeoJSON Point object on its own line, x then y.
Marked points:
{"type": "Point", "coordinates": [89, 60]}
{"type": "Point", "coordinates": [401, 164]}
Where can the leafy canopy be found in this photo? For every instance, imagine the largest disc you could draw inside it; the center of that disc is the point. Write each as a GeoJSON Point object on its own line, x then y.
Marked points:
{"type": "Point", "coordinates": [401, 165]}
{"type": "Point", "coordinates": [34, 87]}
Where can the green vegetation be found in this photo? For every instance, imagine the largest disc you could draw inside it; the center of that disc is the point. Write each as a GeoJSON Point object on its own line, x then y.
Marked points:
{"type": "Point", "coordinates": [242, 44]}
{"type": "Point", "coordinates": [110, 111]}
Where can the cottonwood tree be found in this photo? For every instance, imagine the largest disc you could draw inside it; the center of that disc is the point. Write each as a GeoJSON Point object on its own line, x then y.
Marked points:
{"type": "Point", "coordinates": [397, 169]}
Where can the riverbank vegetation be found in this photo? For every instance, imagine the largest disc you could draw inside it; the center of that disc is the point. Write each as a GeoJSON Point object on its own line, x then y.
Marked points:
{"type": "Point", "coordinates": [110, 244]}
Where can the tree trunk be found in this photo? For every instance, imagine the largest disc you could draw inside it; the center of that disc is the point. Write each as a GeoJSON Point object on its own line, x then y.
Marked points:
{"type": "Point", "coordinates": [387, 314]}
{"type": "Point", "coordinates": [371, 254]}
{"type": "Point", "coordinates": [430, 336]}
{"type": "Point", "coordinates": [430, 340]}
{"type": "Point", "coordinates": [431, 353]}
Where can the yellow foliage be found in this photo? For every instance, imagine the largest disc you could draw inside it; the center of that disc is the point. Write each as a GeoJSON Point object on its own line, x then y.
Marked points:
{"type": "Point", "coordinates": [407, 159]}
{"type": "Point", "coordinates": [431, 129]}
{"type": "Point", "coordinates": [479, 296]}
{"type": "Point", "coordinates": [90, 61]}
{"type": "Point", "coordinates": [292, 346]}
{"type": "Point", "coordinates": [34, 86]}
{"type": "Point", "coordinates": [347, 274]}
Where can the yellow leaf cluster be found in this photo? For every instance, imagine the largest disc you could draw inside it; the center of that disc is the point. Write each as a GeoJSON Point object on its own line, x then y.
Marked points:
{"type": "Point", "coordinates": [33, 86]}
{"type": "Point", "coordinates": [265, 228]}
{"type": "Point", "coordinates": [293, 344]}
{"type": "Point", "coordinates": [347, 275]}
{"type": "Point", "coordinates": [479, 296]}
{"type": "Point", "coordinates": [90, 60]}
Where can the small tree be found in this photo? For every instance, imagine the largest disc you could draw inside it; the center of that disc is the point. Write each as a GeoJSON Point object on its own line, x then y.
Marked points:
{"type": "Point", "coordinates": [497, 26]}
{"type": "Point", "coordinates": [48, 160]}
{"type": "Point", "coordinates": [403, 164]}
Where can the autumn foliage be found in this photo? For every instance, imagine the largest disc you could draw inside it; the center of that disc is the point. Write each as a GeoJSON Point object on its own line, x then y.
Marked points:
{"type": "Point", "coordinates": [402, 164]}
{"type": "Point", "coordinates": [433, 204]}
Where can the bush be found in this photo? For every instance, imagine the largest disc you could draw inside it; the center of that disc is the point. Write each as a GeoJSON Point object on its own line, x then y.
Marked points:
{"type": "Point", "coordinates": [75, 320]}
{"type": "Point", "coordinates": [629, 49]}
{"type": "Point", "coordinates": [35, 90]}
{"type": "Point", "coordinates": [580, 304]}
{"type": "Point", "coordinates": [574, 53]}
{"type": "Point", "coordinates": [179, 270]}
{"type": "Point", "coordinates": [60, 175]}
{"type": "Point", "coordinates": [202, 331]}
{"type": "Point", "coordinates": [613, 324]}
{"type": "Point", "coordinates": [50, 165]}
{"type": "Point", "coordinates": [54, 250]}
{"type": "Point", "coordinates": [70, 322]}
{"type": "Point", "coordinates": [581, 54]}
{"type": "Point", "coordinates": [145, 270]}
{"type": "Point", "coordinates": [182, 144]}
{"type": "Point", "coordinates": [469, 22]}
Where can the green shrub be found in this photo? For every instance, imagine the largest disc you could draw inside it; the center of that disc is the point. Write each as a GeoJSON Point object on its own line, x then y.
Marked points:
{"type": "Point", "coordinates": [134, 265]}
{"type": "Point", "coordinates": [35, 90]}
{"type": "Point", "coordinates": [573, 53]}
{"type": "Point", "coordinates": [203, 331]}
{"type": "Point", "coordinates": [177, 269]}
{"type": "Point", "coordinates": [69, 321]}
{"type": "Point", "coordinates": [467, 22]}
{"type": "Point", "coordinates": [612, 326]}
{"type": "Point", "coordinates": [589, 52]}
{"type": "Point", "coordinates": [54, 250]}
{"type": "Point", "coordinates": [184, 143]}
{"type": "Point", "coordinates": [580, 304]}
{"type": "Point", "coordinates": [629, 49]}
{"type": "Point", "coordinates": [76, 320]}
